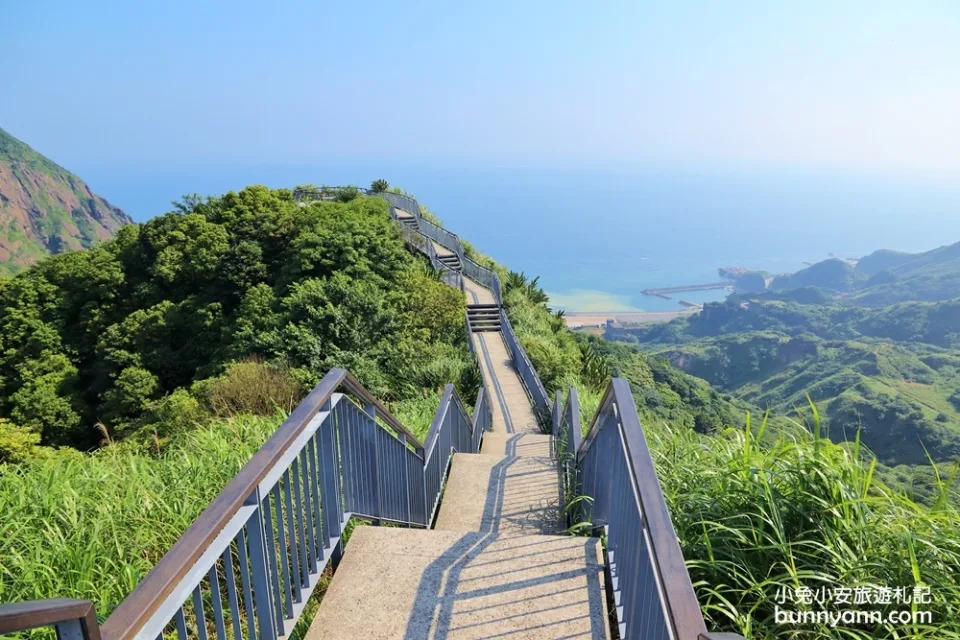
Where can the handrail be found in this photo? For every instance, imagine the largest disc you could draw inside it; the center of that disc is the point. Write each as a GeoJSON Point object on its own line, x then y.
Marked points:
{"type": "Point", "coordinates": [73, 619]}
{"type": "Point", "coordinates": [617, 471]}
{"type": "Point", "coordinates": [329, 460]}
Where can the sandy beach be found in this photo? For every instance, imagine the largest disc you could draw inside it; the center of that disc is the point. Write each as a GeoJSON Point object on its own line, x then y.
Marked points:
{"type": "Point", "coordinates": [576, 319]}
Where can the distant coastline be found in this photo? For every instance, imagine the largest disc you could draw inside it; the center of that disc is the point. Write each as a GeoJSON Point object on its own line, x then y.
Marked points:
{"type": "Point", "coordinates": [586, 319]}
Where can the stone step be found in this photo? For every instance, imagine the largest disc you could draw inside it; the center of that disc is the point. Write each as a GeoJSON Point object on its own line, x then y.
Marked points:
{"type": "Point", "coordinates": [507, 496]}
{"type": "Point", "coordinates": [517, 444]}
{"type": "Point", "coordinates": [413, 583]}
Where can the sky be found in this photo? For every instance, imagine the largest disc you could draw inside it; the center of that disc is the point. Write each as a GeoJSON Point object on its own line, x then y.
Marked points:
{"type": "Point", "coordinates": [830, 86]}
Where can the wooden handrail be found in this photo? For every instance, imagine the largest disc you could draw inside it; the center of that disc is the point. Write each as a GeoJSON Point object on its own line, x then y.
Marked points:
{"type": "Point", "coordinates": [21, 616]}
{"type": "Point", "coordinates": [140, 605]}
{"type": "Point", "coordinates": [680, 600]}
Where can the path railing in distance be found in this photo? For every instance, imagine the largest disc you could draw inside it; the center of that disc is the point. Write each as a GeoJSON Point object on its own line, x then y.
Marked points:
{"type": "Point", "coordinates": [653, 593]}
{"type": "Point", "coordinates": [486, 277]}
{"type": "Point", "coordinates": [248, 564]}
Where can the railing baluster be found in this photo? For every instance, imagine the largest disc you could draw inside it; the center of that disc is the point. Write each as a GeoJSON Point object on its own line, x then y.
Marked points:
{"type": "Point", "coordinates": [371, 411]}
{"type": "Point", "coordinates": [318, 544]}
{"type": "Point", "coordinates": [280, 563]}
{"type": "Point", "coordinates": [298, 513]}
{"type": "Point", "coordinates": [217, 602]}
{"type": "Point", "coordinates": [282, 549]}
{"type": "Point", "coordinates": [292, 537]}
{"type": "Point", "coordinates": [181, 623]}
{"type": "Point", "coordinates": [245, 583]}
{"type": "Point", "coordinates": [198, 614]}
{"type": "Point", "coordinates": [258, 563]}
{"type": "Point", "coordinates": [329, 481]}
{"type": "Point", "coordinates": [232, 594]}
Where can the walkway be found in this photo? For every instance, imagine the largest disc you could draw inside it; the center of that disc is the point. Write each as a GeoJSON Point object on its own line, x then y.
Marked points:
{"type": "Point", "coordinates": [493, 566]}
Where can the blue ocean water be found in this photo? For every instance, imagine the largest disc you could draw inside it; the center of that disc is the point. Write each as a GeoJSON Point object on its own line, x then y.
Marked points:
{"type": "Point", "coordinates": [597, 238]}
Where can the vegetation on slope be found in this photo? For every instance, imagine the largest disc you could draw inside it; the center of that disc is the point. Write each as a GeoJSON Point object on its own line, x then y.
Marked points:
{"type": "Point", "coordinates": [758, 520]}
{"type": "Point", "coordinates": [232, 305]}
{"type": "Point", "coordinates": [46, 209]}
{"type": "Point", "coordinates": [892, 373]}
{"type": "Point", "coordinates": [119, 339]}
{"type": "Point", "coordinates": [92, 525]}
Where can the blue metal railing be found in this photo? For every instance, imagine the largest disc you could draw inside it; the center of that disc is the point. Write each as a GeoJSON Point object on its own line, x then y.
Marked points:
{"type": "Point", "coordinates": [452, 430]}
{"type": "Point", "coordinates": [613, 467]}
{"type": "Point", "coordinates": [248, 564]}
{"type": "Point", "coordinates": [566, 443]}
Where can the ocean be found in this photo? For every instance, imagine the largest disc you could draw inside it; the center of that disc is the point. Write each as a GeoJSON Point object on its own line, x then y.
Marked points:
{"type": "Point", "coordinates": [596, 238]}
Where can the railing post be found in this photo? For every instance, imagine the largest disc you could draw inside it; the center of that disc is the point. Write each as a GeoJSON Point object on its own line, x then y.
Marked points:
{"type": "Point", "coordinates": [371, 410]}
{"type": "Point", "coordinates": [406, 476]}
{"type": "Point", "coordinates": [330, 479]}
{"type": "Point", "coordinates": [261, 569]}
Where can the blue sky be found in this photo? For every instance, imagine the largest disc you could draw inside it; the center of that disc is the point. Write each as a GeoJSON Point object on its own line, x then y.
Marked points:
{"type": "Point", "coordinates": [858, 87]}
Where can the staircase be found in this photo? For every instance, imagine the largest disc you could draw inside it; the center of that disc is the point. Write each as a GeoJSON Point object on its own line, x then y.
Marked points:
{"type": "Point", "coordinates": [483, 317]}
{"type": "Point", "coordinates": [410, 223]}
{"type": "Point", "coordinates": [406, 218]}
{"type": "Point", "coordinates": [450, 261]}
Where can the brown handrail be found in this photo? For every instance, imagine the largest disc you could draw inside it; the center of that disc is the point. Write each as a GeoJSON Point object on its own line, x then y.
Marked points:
{"type": "Point", "coordinates": [682, 607]}
{"type": "Point", "coordinates": [21, 616]}
{"type": "Point", "coordinates": [140, 605]}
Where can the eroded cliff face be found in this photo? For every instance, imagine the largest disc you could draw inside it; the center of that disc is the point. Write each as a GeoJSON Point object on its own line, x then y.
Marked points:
{"type": "Point", "coordinates": [45, 209]}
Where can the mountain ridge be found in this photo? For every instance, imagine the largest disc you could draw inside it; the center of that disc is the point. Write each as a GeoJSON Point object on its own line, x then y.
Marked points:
{"type": "Point", "coordinates": [46, 209]}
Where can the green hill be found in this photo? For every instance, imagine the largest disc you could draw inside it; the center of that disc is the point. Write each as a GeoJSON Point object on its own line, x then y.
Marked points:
{"type": "Point", "coordinates": [892, 372]}
{"type": "Point", "coordinates": [45, 209]}
{"type": "Point", "coordinates": [198, 310]}
{"type": "Point", "coordinates": [884, 277]}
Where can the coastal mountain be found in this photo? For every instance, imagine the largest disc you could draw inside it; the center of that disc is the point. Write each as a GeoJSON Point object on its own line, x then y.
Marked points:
{"type": "Point", "coordinates": [45, 209]}
{"type": "Point", "coordinates": [882, 278]}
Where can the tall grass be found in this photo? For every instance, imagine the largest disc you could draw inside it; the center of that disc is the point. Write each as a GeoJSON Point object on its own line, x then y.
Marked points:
{"type": "Point", "coordinates": [92, 526]}
{"type": "Point", "coordinates": [755, 517]}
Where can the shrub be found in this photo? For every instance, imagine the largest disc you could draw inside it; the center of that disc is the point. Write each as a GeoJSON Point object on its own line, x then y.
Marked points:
{"type": "Point", "coordinates": [253, 386]}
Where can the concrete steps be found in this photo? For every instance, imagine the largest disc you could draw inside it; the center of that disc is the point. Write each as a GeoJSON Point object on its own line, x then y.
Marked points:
{"type": "Point", "coordinates": [517, 444]}
{"type": "Point", "coordinates": [507, 496]}
{"type": "Point", "coordinates": [483, 317]}
{"type": "Point", "coordinates": [408, 583]}
{"type": "Point", "coordinates": [512, 412]}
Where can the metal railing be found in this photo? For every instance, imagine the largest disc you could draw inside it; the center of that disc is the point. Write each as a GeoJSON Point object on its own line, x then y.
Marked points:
{"type": "Point", "coordinates": [524, 367]}
{"type": "Point", "coordinates": [652, 588]}
{"type": "Point", "coordinates": [71, 619]}
{"type": "Point", "coordinates": [248, 564]}
{"type": "Point", "coordinates": [480, 274]}
{"type": "Point", "coordinates": [566, 443]}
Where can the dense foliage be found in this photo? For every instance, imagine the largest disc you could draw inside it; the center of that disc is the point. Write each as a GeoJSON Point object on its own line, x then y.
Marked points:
{"type": "Point", "coordinates": [108, 342]}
